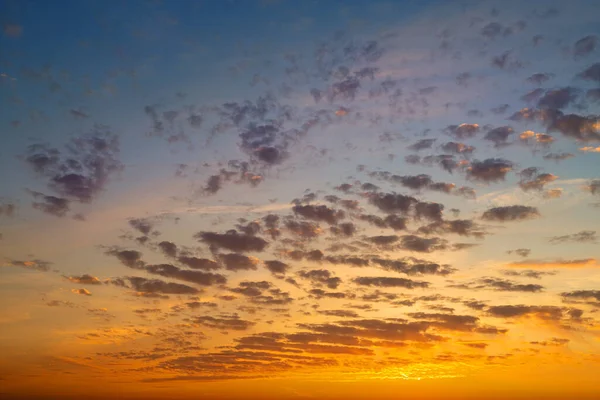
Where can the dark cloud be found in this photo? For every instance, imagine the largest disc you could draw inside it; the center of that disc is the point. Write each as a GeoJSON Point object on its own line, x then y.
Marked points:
{"type": "Point", "coordinates": [320, 293]}
{"type": "Point", "coordinates": [392, 202]}
{"type": "Point", "coordinates": [319, 213]}
{"type": "Point", "coordinates": [520, 252]}
{"type": "Point", "coordinates": [383, 240]}
{"type": "Point", "coordinates": [422, 144]}
{"type": "Point", "coordinates": [501, 109]}
{"type": "Point", "coordinates": [413, 266]}
{"type": "Point", "coordinates": [422, 245]}
{"type": "Point", "coordinates": [593, 295]}
{"type": "Point", "coordinates": [592, 73]}
{"type": "Point", "coordinates": [585, 129]}
{"type": "Point", "coordinates": [499, 135]}
{"type": "Point", "coordinates": [506, 61]}
{"type": "Point", "coordinates": [457, 148]}
{"type": "Point", "coordinates": [558, 98]}
{"type": "Point", "coordinates": [383, 281]}
{"type": "Point", "coordinates": [141, 225]}
{"type": "Point", "coordinates": [593, 186]}
{"type": "Point", "coordinates": [197, 277]}
{"type": "Point", "coordinates": [489, 170]}
{"type": "Point", "coordinates": [585, 46]}
{"type": "Point", "coordinates": [321, 276]}
{"type": "Point", "coordinates": [82, 169]}
{"type": "Point", "coordinates": [510, 213]}
{"type": "Point", "coordinates": [7, 209]}
{"type": "Point", "coordinates": [502, 285]}
{"type": "Point", "coordinates": [549, 313]}
{"type": "Point", "coordinates": [344, 229]}
{"type": "Point", "coordinates": [224, 322]}
{"type": "Point", "coordinates": [593, 95]}
{"type": "Point", "coordinates": [276, 267]}
{"type": "Point", "coordinates": [462, 131]}
{"type": "Point", "coordinates": [198, 263]}
{"type": "Point", "coordinates": [339, 313]}
{"type": "Point", "coordinates": [303, 229]}
{"type": "Point", "coordinates": [532, 179]}
{"type": "Point", "coordinates": [129, 258]}
{"type": "Point", "coordinates": [168, 248]}
{"type": "Point", "coordinates": [462, 227]}
{"type": "Point", "coordinates": [533, 96]}
{"type": "Point", "coordinates": [238, 262]}
{"type": "Point", "coordinates": [539, 78]}
{"type": "Point", "coordinates": [154, 286]}
{"type": "Point", "coordinates": [528, 273]}
{"type": "Point", "coordinates": [558, 156]}
{"type": "Point", "coordinates": [232, 241]}
{"type": "Point", "coordinates": [57, 206]}
{"type": "Point", "coordinates": [429, 210]}
{"type": "Point", "coordinates": [579, 237]}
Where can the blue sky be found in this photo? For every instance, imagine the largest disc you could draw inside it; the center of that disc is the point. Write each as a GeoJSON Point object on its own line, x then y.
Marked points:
{"type": "Point", "coordinates": [140, 135]}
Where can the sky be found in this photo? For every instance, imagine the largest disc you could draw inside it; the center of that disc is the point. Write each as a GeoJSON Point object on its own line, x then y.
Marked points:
{"type": "Point", "coordinates": [299, 199]}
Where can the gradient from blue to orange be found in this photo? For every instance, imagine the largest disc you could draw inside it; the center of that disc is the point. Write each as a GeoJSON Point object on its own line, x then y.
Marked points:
{"type": "Point", "coordinates": [317, 199]}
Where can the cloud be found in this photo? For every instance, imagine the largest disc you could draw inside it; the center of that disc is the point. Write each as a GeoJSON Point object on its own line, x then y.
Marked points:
{"type": "Point", "coordinates": [129, 258]}
{"type": "Point", "coordinates": [591, 296]}
{"type": "Point", "coordinates": [84, 279]}
{"type": "Point", "coordinates": [7, 209]}
{"type": "Point", "coordinates": [558, 98]}
{"type": "Point", "coordinates": [321, 276]}
{"type": "Point", "coordinates": [549, 313]}
{"type": "Point", "coordinates": [499, 135]}
{"type": "Point", "coordinates": [593, 186]}
{"type": "Point", "coordinates": [153, 286]}
{"type": "Point", "coordinates": [510, 213]}
{"type": "Point", "coordinates": [489, 170]}
{"type": "Point", "coordinates": [276, 267]}
{"type": "Point", "coordinates": [319, 213]}
{"type": "Point", "coordinates": [142, 225]}
{"type": "Point", "coordinates": [57, 206]}
{"type": "Point", "coordinates": [197, 277]}
{"type": "Point", "coordinates": [84, 292]}
{"type": "Point", "coordinates": [420, 244]}
{"type": "Point", "coordinates": [501, 285]}
{"type": "Point", "coordinates": [199, 263]}
{"type": "Point", "coordinates": [462, 131]}
{"type": "Point", "coordinates": [589, 149]}
{"type": "Point", "coordinates": [238, 262]}
{"type": "Point", "coordinates": [233, 241]}
{"type": "Point", "coordinates": [339, 313]}
{"type": "Point", "coordinates": [558, 156]}
{"type": "Point", "coordinates": [83, 168]}
{"type": "Point", "coordinates": [528, 273]}
{"type": "Point", "coordinates": [36, 264]}
{"type": "Point", "coordinates": [556, 263]}
{"type": "Point", "coordinates": [422, 144]}
{"type": "Point", "coordinates": [382, 281]}
{"type": "Point", "coordinates": [539, 78]}
{"type": "Point", "coordinates": [520, 252]}
{"type": "Point", "coordinates": [592, 73]}
{"type": "Point", "coordinates": [579, 237]}
{"type": "Point", "coordinates": [168, 248]}
{"type": "Point", "coordinates": [532, 179]}
{"type": "Point", "coordinates": [585, 46]}
{"type": "Point", "coordinates": [224, 322]}
{"type": "Point", "coordinates": [413, 266]}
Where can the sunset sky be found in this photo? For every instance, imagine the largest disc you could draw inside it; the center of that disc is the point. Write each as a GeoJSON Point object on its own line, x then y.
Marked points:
{"type": "Point", "coordinates": [299, 199]}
